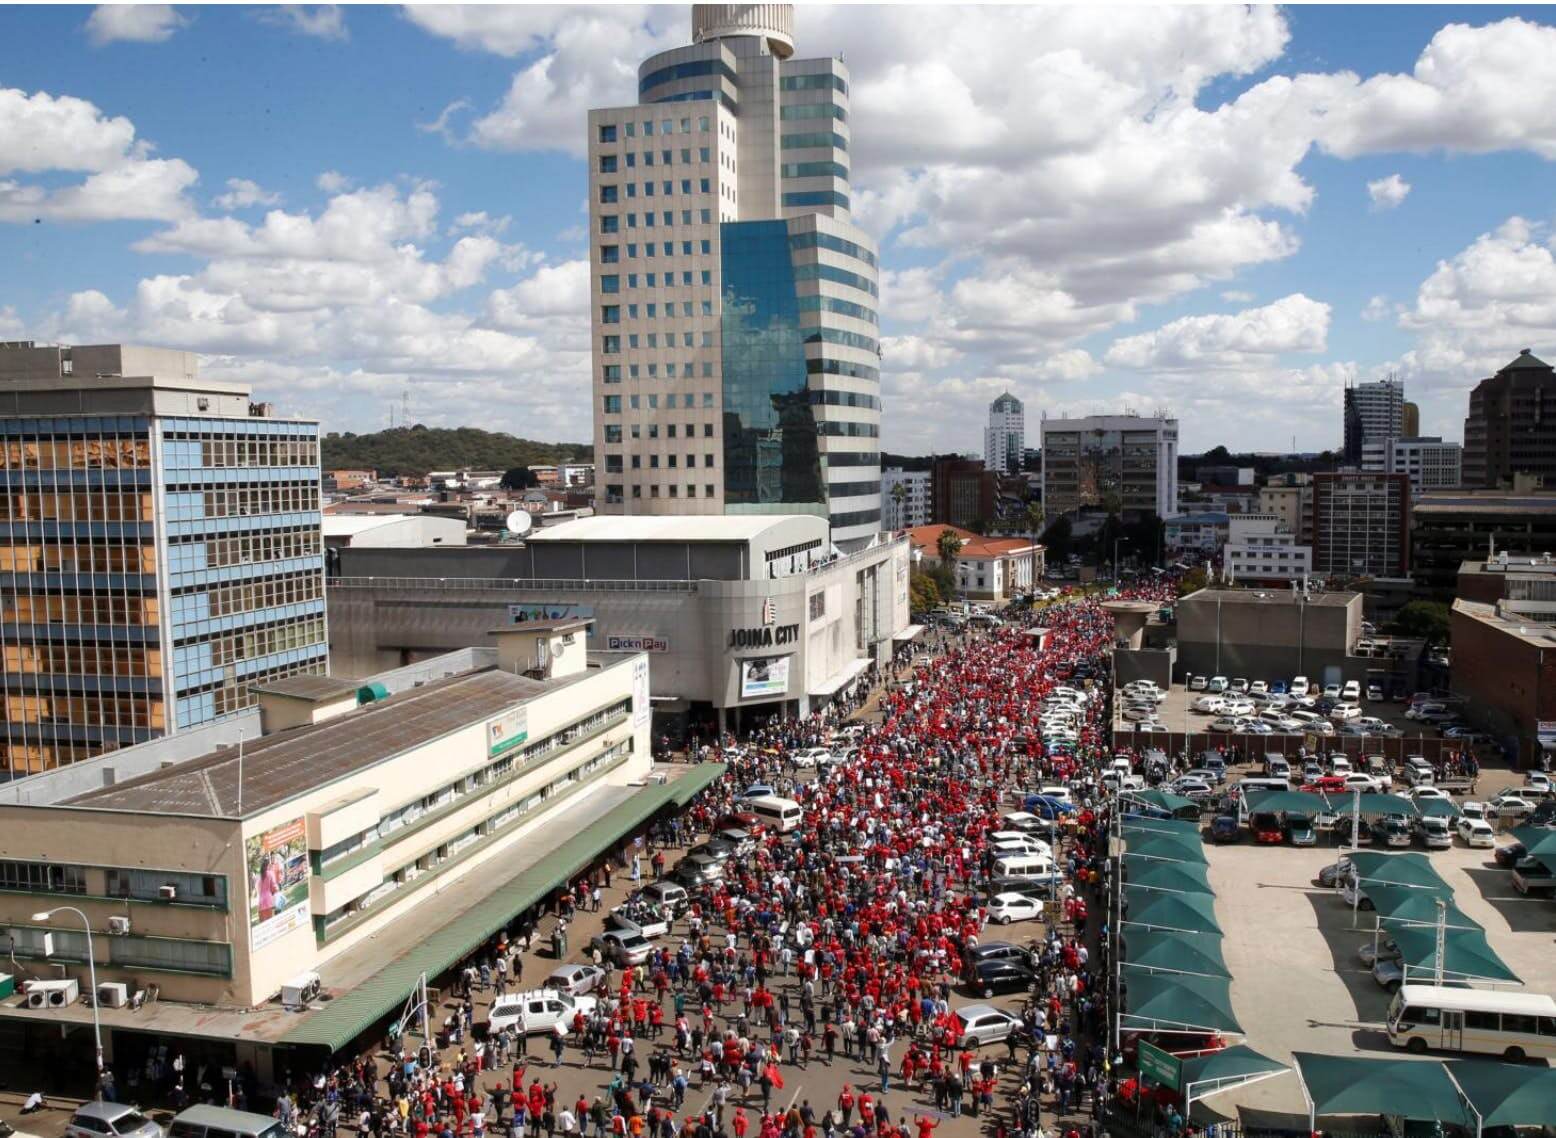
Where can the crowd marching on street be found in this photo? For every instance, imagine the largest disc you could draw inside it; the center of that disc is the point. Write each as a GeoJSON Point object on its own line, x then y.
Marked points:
{"type": "Point", "coordinates": [841, 944]}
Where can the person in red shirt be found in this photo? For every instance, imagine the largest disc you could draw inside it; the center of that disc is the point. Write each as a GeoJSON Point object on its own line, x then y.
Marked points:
{"type": "Point", "coordinates": [740, 1123]}
{"type": "Point", "coordinates": [926, 1125]}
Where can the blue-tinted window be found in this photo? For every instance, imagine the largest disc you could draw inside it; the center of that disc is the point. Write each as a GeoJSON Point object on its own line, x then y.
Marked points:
{"type": "Point", "coordinates": [816, 272]}
{"type": "Point", "coordinates": [610, 223]}
{"type": "Point", "coordinates": [607, 163]}
{"type": "Point", "coordinates": [816, 197]}
{"type": "Point", "coordinates": [610, 314]}
{"type": "Point", "coordinates": [834, 243]}
{"type": "Point", "coordinates": [837, 336]}
{"type": "Point", "coordinates": [806, 141]}
{"type": "Point", "coordinates": [612, 373]}
{"type": "Point", "coordinates": [771, 453]}
{"type": "Point", "coordinates": [812, 111]}
{"type": "Point", "coordinates": [610, 254]}
{"type": "Point", "coordinates": [608, 133]}
{"type": "Point", "coordinates": [613, 433]}
{"type": "Point", "coordinates": [691, 69]}
{"type": "Point", "coordinates": [608, 194]}
{"type": "Point", "coordinates": [613, 405]}
{"type": "Point", "coordinates": [824, 81]}
{"type": "Point", "coordinates": [611, 345]}
{"type": "Point", "coordinates": [814, 170]}
{"type": "Point", "coordinates": [610, 283]}
{"type": "Point", "coordinates": [841, 307]}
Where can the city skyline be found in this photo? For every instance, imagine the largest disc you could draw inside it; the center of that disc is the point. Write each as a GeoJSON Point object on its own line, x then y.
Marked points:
{"type": "Point", "coordinates": [1221, 212]}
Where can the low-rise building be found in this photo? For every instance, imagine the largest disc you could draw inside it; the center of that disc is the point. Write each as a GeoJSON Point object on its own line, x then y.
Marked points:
{"type": "Point", "coordinates": [1206, 532]}
{"type": "Point", "coordinates": [1269, 634]}
{"type": "Point", "coordinates": [341, 839]}
{"type": "Point", "coordinates": [1261, 550]}
{"type": "Point", "coordinates": [391, 530]}
{"type": "Point", "coordinates": [1504, 665]}
{"type": "Point", "coordinates": [1429, 463]}
{"type": "Point", "coordinates": [987, 568]}
{"type": "Point", "coordinates": [1451, 527]}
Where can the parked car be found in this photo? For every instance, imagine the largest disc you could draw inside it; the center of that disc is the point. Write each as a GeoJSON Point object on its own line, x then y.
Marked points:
{"type": "Point", "coordinates": [575, 979]}
{"type": "Point", "coordinates": [1510, 804]}
{"type": "Point", "coordinates": [1229, 724]}
{"type": "Point", "coordinates": [1216, 684]}
{"type": "Point", "coordinates": [1266, 829]}
{"type": "Point", "coordinates": [97, 1119]}
{"type": "Point", "coordinates": [536, 1012]}
{"type": "Point", "coordinates": [1197, 683]}
{"type": "Point", "coordinates": [1509, 855]}
{"type": "Point", "coordinates": [810, 757]}
{"type": "Point", "coordinates": [1476, 833]}
{"type": "Point", "coordinates": [1224, 828]}
{"type": "Point", "coordinates": [1007, 907]}
{"type": "Point", "coordinates": [1343, 712]}
{"type": "Point", "coordinates": [1209, 704]}
{"type": "Point", "coordinates": [1538, 782]}
{"type": "Point", "coordinates": [1351, 691]}
{"type": "Point", "coordinates": [1299, 686]}
{"type": "Point", "coordinates": [628, 949]}
{"type": "Point", "coordinates": [1299, 829]}
{"type": "Point", "coordinates": [984, 1024]}
{"type": "Point", "coordinates": [1374, 693]}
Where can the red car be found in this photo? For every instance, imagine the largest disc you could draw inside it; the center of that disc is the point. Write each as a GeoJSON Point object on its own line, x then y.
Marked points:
{"type": "Point", "coordinates": [741, 820]}
{"type": "Point", "coordinates": [1266, 829]}
{"type": "Point", "coordinates": [1327, 784]}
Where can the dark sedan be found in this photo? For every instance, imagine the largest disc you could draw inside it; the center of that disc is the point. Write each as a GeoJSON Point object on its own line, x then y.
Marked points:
{"type": "Point", "coordinates": [993, 977]}
{"type": "Point", "coordinates": [1507, 856]}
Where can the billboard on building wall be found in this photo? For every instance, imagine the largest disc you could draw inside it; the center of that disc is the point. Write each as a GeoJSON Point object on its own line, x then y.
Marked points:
{"type": "Point", "coordinates": [764, 675]}
{"type": "Point", "coordinates": [277, 862]}
{"type": "Point", "coordinates": [641, 708]}
{"type": "Point", "coordinates": [507, 731]}
{"type": "Point", "coordinates": [637, 644]}
{"type": "Point", "coordinates": [522, 611]}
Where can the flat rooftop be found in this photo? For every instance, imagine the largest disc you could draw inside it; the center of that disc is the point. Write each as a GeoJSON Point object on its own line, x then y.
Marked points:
{"type": "Point", "coordinates": [673, 527]}
{"type": "Point", "coordinates": [1486, 502]}
{"type": "Point", "coordinates": [1267, 597]}
{"type": "Point", "coordinates": [1529, 629]}
{"type": "Point", "coordinates": [280, 767]}
{"type": "Point", "coordinates": [316, 688]}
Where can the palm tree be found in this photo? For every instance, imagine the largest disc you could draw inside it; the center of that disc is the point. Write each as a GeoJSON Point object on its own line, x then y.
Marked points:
{"type": "Point", "coordinates": [1034, 516]}
{"type": "Point", "coordinates": [948, 545]}
{"type": "Point", "coordinates": [899, 495]}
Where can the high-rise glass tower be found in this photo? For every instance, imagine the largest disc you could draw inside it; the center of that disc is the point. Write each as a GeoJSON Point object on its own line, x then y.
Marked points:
{"type": "Point", "coordinates": [160, 549]}
{"type": "Point", "coordinates": [735, 308]}
{"type": "Point", "coordinates": [1005, 436]}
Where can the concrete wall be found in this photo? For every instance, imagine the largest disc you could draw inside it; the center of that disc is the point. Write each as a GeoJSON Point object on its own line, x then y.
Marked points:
{"type": "Point", "coordinates": [1267, 641]}
{"type": "Point", "coordinates": [1509, 683]}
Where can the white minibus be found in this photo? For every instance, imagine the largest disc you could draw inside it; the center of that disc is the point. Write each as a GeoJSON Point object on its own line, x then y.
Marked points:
{"type": "Point", "coordinates": [782, 814]}
{"type": "Point", "coordinates": [1514, 1025]}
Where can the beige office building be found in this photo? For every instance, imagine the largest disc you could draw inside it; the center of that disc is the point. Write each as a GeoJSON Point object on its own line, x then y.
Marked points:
{"type": "Point", "coordinates": [735, 309]}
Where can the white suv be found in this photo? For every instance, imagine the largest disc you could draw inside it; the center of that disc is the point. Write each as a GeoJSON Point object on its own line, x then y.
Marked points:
{"type": "Point", "coordinates": [535, 1012]}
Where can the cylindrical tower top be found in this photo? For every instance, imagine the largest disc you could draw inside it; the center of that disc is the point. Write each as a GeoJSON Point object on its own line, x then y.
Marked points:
{"type": "Point", "coordinates": [773, 22]}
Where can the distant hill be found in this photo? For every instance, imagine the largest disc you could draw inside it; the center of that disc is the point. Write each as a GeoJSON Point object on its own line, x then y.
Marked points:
{"type": "Point", "coordinates": [416, 450]}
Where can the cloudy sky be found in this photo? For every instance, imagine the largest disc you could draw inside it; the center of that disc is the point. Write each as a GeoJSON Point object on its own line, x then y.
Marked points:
{"type": "Point", "coordinates": [1218, 210]}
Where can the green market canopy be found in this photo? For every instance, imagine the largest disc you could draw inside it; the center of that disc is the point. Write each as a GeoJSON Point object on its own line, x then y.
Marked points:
{"type": "Point", "coordinates": [1173, 804]}
{"type": "Point", "coordinates": [1409, 869]}
{"type": "Point", "coordinates": [1507, 1094]}
{"type": "Point", "coordinates": [1167, 950]}
{"type": "Point", "coordinates": [1535, 839]}
{"type": "Point", "coordinates": [1159, 1001]}
{"type": "Point", "coordinates": [1170, 876]}
{"type": "Point", "coordinates": [1415, 1091]}
{"type": "Point", "coordinates": [1402, 905]}
{"type": "Point", "coordinates": [1466, 954]}
{"type": "Point", "coordinates": [1134, 824]}
{"type": "Point", "coordinates": [1225, 1070]}
{"type": "Point", "coordinates": [1284, 802]}
{"type": "Point", "coordinates": [1166, 847]}
{"type": "Point", "coordinates": [1184, 912]}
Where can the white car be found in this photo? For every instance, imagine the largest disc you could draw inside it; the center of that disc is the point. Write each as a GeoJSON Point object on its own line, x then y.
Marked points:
{"type": "Point", "coordinates": [1362, 782]}
{"type": "Point", "coordinates": [1476, 810]}
{"type": "Point", "coordinates": [1007, 907]}
{"type": "Point", "coordinates": [1239, 685]}
{"type": "Point", "coordinates": [1024, 840]}
{"type": "Point", "coordinates": [1510, 804]}
{"type": "Point", "coordinates": [1331, 691]}
{"type": "Point", "coordinates": [1192, 788]}
{"type": "Point", "coordinates": [983, 1023]}
{"type": "Point", "coordinates": [1258, 687]}
{"type": "Point", "coordinates": [535, 1012]}
{"type": "Point", "coordinates": [576, 979]}
{"type": "Point", "coordinates": [1237, 707]}
{"type": "Point", "coordinates": [1476, 833]}
{"type": "Point", "coordinates": [1538, 782]}
{"type": "Point", "coordinates": [1422, 793]}
{"type": "Point", "coordinates": [1197, 683]}
{"type": "Point", "coordinates": [1343, 712]}
{"type": "Point", "coordinates": [1351, 692]}
{"type": "Point", "coordinates": [1026, 823]}
{"type": "Point", "coordinates": [1299, 686]}
{"type": "Point", "coordinates": [1062, 793]}
{"type": "Point", "coordinates": [1229, 724]}
{"type": "Point", "coordinates": [1140, 711]}
{"type": "Point", "coordinates": [1210, 704]}
{"type": "Point", "coordinates": [810, 756]}
{"type": "Point", "coordinates": [1216, 684]}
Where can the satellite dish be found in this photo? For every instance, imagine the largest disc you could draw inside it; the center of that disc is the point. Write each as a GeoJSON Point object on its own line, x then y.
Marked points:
{"type": "Point", "coordinates": [519, 522]}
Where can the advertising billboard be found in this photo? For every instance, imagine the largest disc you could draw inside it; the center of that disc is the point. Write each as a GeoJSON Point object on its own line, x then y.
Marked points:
{"type": "Point", "coordinates": [277, 862]}
{"type": "Point", "coordinates": [507, 731]}
{"type": "Point", "coordinates": [764, 676]}
{"type": "Point", "coordinates": [637, 644]}
{"type": "Point", "coordinates": [521, 612]}
{"type": "Point", "coordinates": [642, 708]}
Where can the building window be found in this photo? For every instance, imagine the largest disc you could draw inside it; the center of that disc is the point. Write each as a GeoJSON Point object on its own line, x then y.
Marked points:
{"type": "Point", "coordinates": [610, 283]}
{"type": "Point", "coordinates": [608, 133]}
{"type": "Point", "coordinates": [610, 254]}
{"type": "Point", "coordinates": [613, 405]}
{"type": "Point", "coordinates": [610, 314]}
{"type": "Point", "coordinates": [609, 194]}
{"type": "Point", "coordinates": [610, 223]}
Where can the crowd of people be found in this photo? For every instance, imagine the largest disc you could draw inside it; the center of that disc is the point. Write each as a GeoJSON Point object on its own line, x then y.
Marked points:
{"type": "Point", "coordinates": [844, 942]}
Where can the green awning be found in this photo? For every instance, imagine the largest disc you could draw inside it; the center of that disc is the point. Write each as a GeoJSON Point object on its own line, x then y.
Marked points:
{"type": "Point", "coordinates": [1172, 876]}
{"type": "Point", "coordinates": [1436, 808]}
{"type": "Point", "coordinates": [1371, 805]}
{"type": "Point", "coordinates": [1466, 954]}
{"type": "Point", "coordinates": [1185, 912]}
{"type": "Point", "coordinates": [1159, 1001]}
{"type": "Point", "coordinates": [1173, 804]}
{"type": "Point", "coordinates": [1228, 1068]}
{"type": "Point", "coordinates": [1167, 847]}
{"type": "Point", "coordinates": [1507, 1094]}
{"type": "Point", "coordinates": [1413, 1090]}
{"type": "Point", "coordinates": [1397, 903]}
{"type": "Point", "coordinates": [346, 1017]}
{"type": "Point", "coordinates": [1283, 802]}
{"type": "Point", "coordinates": [1535, 839]}
{"type": "Point", "coordinates": [1160, 950]}
{"type": "Point", "coordinates": [1136, 825]}
{"type": "Point", "coordinates": [1409, 869]}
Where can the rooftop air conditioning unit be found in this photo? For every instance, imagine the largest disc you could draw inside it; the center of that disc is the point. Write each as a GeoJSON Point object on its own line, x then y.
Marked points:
{"type": "Point", "coordinates": [113, 995]}
{"type": "Point", "coordinates": [301, 990]}
{"type": "Point", "coordinates": [118, 926]}
{"type": "Point", "coordinates": [168, 892]}
{"type": "Point", "coordinates": [52, 993]}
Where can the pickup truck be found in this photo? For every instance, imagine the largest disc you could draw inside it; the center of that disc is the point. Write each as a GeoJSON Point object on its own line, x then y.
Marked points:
{"type": "Point", "coordinates": [646, 920]}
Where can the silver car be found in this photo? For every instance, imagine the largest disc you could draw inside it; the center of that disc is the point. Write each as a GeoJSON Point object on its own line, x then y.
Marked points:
{"type": "Point", "coordinates": [114, 1119]}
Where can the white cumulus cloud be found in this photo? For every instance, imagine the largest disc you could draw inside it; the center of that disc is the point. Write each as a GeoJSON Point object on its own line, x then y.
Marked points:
{"type": "Point", "coordinates": [133, 23]}
{"type": "Point", "coordinates": [1389, 192]}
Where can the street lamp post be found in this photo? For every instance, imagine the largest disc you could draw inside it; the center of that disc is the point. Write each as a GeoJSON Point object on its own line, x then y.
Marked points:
{"type": "Point", "coordinates": [91, 963]}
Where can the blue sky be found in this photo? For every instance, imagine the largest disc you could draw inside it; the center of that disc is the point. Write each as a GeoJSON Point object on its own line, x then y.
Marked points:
{"type": "Point", "coordinates": [1227, 212]}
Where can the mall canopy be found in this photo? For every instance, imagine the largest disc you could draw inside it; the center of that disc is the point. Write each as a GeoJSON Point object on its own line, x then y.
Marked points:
{"type": "Point", "coordinates": [1224, 1070]}
{"type": "Point", "coordinates": [1174, 805]}
{"type": "Point", "coordinates": [1534, 839]}
{"type": "Point", "coordinates": [1401, 905]}
{"type": "Point", "coordinates": [1166, 950]}
{"type": "Point", "coordinates": [1159, 1001]}
{"type": "Point", "coordinates": [1466, 954]}
{"type": "Point", "coordinates": [1371, 805]}
{"type": "Point", "coordinates": [1185, 912]}
{"type": "Point", "coordinates": [1407, 1088]}
{"type": "Point", "coordinates": [1171, 876]}
{"type": "Point", "coordinates": [1141, 825]}
{"type": "Point", "coordinates": [1283, 802]}
{"type": "Point", "coordinates": [1507, 1094]}
{"type": "Point", "coordinates": [1167, 847]}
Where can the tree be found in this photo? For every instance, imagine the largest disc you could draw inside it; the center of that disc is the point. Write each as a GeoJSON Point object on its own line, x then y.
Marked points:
{"type": "Point", "coordinates": [1057, 539]}
{"type": "Point", "coordinates": [923, 592]}
{"type": "Point", "coordinates": [948, 545]}
{"type": "Point", "coordinates": [1425, 619]}
{"type": "Point", "coordinates": [1193, 581]}
{"type": "Point", "coordinates": [519, 478]}
{"type": "Point", "coordinates": [1033, 517]}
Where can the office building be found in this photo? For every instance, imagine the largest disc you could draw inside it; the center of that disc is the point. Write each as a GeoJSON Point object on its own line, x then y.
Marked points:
{"type": "Point", "coordinates": [1224, 475]}
{"type": "Point", "coordinates": [909, 506]}
{"type": "Point", "coordinates": [1451, 527]}
{"type": "Point", "coordinates": [327, 847]}
{"type": "Point", "coordinates": [1205, 531]}
{"type": "Point", "coordinates": [1411, 426]}
{"type": "Point", "coordinates": [1261, 549]}
{"type": "Point", "coordinates": [1292, 504]}
{"type": "Point", "coordinates": [744, 617]}
{"type": "Point", "coordinates": [161, 549]}
{"type": "Point", "coordinates": [1361, 524]}
{"type": "Point", "coordinates": [1429, 463]}
{"type": "Point", "coordinates": [1511, 426]}
{"type": "Point", "coordinates": [1374, 412]}
{"type": "Point", "coordinates": [961, 492]}
{"type": "Point", "coordinates": [1513, 577]}
{"type": "Point", "coordinates": [1502, 670]}
{"type": "Point", "coordinates": [1127, 461]}
{"type": "Point", "coordinates": [1004, 439]}
{"type": "Point", "coordinates": [734, 305]}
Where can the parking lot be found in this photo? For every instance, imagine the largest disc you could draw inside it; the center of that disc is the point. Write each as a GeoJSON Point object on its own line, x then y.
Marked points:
{"type": "Point", "coordinates": [1177, 714]}
{"type": "Point", "coordinates": [1292, 950]}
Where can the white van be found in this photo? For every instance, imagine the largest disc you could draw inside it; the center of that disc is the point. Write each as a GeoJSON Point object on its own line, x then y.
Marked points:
{"type": "Point", "coordinates": [781, 814]}
{"type": "Point", "coordinates": [1017, 841]}
{"type": "Point", "coordinates": [539, 1011]}
{"type": "Point", "coordinates": [1251, 785]}
{"type": "Point", "coordinates": [220, 1122]}
{"type": "Point", "coordinates": [1023, 865]}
